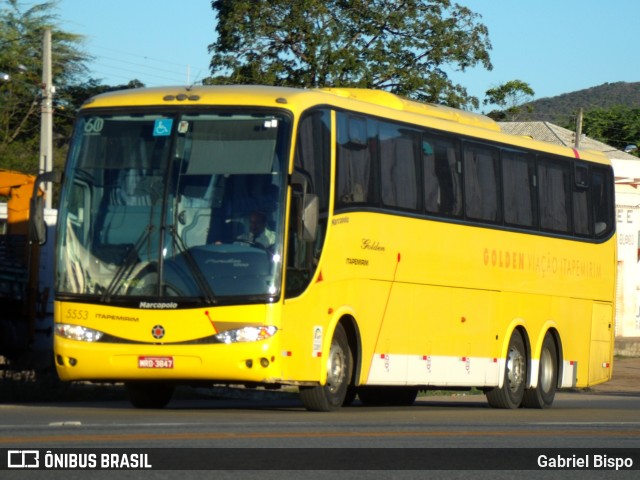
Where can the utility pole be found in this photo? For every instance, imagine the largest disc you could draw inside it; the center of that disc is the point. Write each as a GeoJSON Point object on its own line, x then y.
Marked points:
{"type": "Point", "coordinates": [46, 117]}
{"type": "Point", "coordinates": [579, 128]}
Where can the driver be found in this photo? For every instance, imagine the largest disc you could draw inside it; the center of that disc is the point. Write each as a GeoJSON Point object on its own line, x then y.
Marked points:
{"type": "Point", "coordinates": [258, 231]}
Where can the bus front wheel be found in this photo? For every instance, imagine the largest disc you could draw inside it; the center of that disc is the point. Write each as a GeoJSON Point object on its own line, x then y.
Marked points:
{"type": "Point", "coordinates": [515, 376]}
{"type": "Point", "coordinates": [545, 391]}
{"type": "Point", "coordinates": [332, 395]}
{"type": "Point", "coordinates": [149, 394]}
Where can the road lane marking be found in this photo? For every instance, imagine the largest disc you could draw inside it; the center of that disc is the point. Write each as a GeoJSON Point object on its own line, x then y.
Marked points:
{"type": "Point", "coordinates": [281, 435]}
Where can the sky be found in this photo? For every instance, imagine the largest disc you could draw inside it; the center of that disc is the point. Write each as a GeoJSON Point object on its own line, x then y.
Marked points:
{"type": "Point", "coordinates": [556, 46]}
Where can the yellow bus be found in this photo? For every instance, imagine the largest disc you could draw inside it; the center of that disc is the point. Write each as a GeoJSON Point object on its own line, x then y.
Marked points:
{"type": "Point", "coordinates": [349, 243]}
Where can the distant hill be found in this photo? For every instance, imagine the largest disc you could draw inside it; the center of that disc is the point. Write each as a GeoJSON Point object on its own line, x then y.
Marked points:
{"type": "Point", "coordinates": [561, 109]}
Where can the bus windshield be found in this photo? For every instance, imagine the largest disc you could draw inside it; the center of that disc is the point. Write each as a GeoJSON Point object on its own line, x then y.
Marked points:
{"type": "Point", "coordinates": [174, 205]}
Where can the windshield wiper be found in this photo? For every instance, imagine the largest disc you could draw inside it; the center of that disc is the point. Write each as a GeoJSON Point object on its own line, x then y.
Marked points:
{"type": "Point", "coordinates": [198, 276]}
{"type": "Point", "coordinates": [126, 268]}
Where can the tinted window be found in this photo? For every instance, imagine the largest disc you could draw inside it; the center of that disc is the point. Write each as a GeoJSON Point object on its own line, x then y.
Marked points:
{"type": "Point", "coordinates": [554, 195]}
{"type": "Point", "coordinates": [390, 165]}
{"type": "Point", "coordinates": [481, 190]}
{"type": "Point", "coordinates": [313, 159]}
{"type": "Point", "coordinates": [353, 176]}
{"type": "Point", "coordinates": [442, 183]}
{"type": "Point", "coordinates": [602, 200]}
{"type": "Point", "coordinates": [399, 179]}
{"type": "Point", "coordinates": [518, 177]}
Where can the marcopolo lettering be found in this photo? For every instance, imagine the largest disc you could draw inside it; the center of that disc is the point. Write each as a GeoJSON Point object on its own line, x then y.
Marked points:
{"type": "Point", "coordinates": [158, 305]}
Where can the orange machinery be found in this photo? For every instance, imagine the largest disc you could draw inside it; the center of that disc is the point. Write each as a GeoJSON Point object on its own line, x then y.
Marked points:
{"type": "Point", "coordinates": [19, 265]}
{"type": "Point", "coordinates": [18, 187]}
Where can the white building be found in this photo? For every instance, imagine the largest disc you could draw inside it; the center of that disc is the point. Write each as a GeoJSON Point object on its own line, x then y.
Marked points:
{"type": "Point", "coordinates": [626, 169]}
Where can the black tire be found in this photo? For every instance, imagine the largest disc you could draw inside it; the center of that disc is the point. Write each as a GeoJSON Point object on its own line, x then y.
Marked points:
{"type": "Point", "coordinates": [543, 394]}
{"type": "Point", "coordinates": [515, 376]}
{"type": "Point", "coordinates": [149, 394]}
{"type": "Point", "coordinates": [332, 395]}
{"type": "Point", "coordinates": [350, 397]}
{"type": "Point", "coordinates": [388, 396]}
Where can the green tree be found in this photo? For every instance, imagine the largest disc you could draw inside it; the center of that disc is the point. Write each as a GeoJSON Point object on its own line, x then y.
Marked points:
{"type": "Point", "coordinates": [72, 96]}
{"type": "Point", "coordinates": [511, 97]}
{"type": "Point", "coordinates": [399, 46]}
{"type": "Point", "coordinates": [21, 33]}
{"type": "Point", "coordinates": [618, 126]}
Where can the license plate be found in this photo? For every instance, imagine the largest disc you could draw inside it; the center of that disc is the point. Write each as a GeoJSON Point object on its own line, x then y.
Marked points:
{"type": "Point", "coordinates": [155, 362]}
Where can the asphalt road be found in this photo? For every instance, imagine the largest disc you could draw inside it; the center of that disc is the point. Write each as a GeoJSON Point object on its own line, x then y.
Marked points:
{"type": "Point", "coordinates": [576, 419]}
{"type": "Point", "coordinates": [598, 420]}
{"type": "Point", "coordinates": [459, 420]}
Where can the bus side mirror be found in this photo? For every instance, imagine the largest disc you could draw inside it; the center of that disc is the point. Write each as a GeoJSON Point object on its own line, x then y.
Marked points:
{"type": "Point", "coordinates": [37, 225]}
{"type": "Point", "coordinates": [309, 207]}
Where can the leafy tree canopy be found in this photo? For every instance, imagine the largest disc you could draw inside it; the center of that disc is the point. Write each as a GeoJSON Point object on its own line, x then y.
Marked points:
{"type": "Point", "coordinates": [21, 34]}
{"type": "Point", "coordinates": [401, 46]}
{"type": "Point", "coordinates": [513, 97]}
{"type": "Point", "coordinates": [618, 126]}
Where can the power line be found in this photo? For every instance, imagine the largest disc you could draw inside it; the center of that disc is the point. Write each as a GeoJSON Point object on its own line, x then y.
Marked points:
{"type": "Point", "coordinates": [138, 55]}
{"type": "Point", "coordinates": [146, 66]}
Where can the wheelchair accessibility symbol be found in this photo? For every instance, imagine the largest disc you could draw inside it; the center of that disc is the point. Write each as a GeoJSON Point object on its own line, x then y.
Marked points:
{"type": "Point", "coordinates": [162, 127]}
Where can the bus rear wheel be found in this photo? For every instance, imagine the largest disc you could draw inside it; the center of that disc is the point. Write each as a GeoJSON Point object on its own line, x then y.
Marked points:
{"type": "Point", "coordinates": [149, 394]}
{"type": "Point", "coordinates": [332, 395]}
{"type": "Point", "coordinates": [545, 391]}
{"type": "Point", "coordinates": [515, 376]}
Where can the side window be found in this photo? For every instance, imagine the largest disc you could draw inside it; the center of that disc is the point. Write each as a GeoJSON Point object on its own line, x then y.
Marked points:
{"type": "Point", "coordinates": [554, 180]}
{"type": "Point", "coordinates": [398, 176]}
{"type": "Point", "coordinates": [481, 183]}
{"type": "Point", "coordinates": [518, 188]}
{"type": "Point", "coordinates": [442, 183]}
{"type": "Point", "coordinates": [354, 155]}
{"type": "Point", "coordinates": [602, 201]}
{"type": "Point", "coordinates": [312, 158]}
{"type": "Point", "coordinates": [313, 150]}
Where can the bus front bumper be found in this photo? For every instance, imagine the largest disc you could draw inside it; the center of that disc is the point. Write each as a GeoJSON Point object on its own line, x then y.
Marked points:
{"type": "Point", "coordinates": [252, 362]}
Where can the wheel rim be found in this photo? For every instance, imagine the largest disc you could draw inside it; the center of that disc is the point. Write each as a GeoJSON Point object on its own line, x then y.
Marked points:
{"type": "Point", "coordinates": [336, 368]}
{"type": "Point", "coordinates": [515, 369]}
{"type": "Point", "coordinates": [546, 370]}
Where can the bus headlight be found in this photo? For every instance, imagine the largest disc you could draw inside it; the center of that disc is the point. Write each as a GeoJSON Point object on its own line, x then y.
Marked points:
{"type": "Point", "coordinates": [77, 332]}
{"type": "Point", "coordinates": [247, 334]}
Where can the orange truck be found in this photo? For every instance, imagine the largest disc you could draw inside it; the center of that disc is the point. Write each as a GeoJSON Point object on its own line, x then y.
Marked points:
{"type": "Point", "coordinates": [22, 301]}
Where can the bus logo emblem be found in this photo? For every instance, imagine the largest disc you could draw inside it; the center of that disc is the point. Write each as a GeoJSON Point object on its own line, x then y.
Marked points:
{"type": "Point", "coordinates": [157, 332]}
